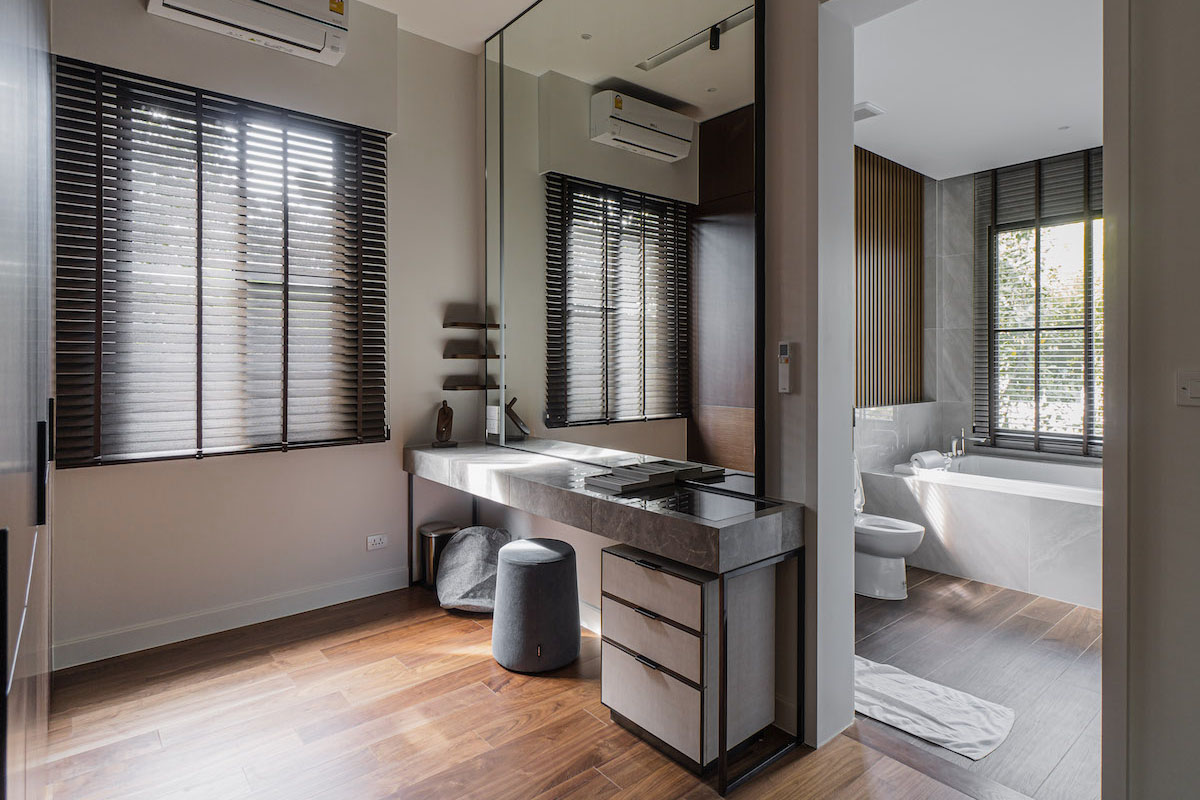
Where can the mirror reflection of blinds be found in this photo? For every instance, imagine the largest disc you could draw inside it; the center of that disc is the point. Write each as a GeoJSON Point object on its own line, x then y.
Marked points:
{"type": "Point", "coordinates": [616, 304]}
{"type": "Point", "coordinates": [1039, 305]}
{"type": "Point", "coordinates": [221, 273]}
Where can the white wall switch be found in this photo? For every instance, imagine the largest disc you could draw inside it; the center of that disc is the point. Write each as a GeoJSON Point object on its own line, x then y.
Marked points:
{"type": "Point", "coordinates": [1187, 387]}
{"type": "Point", "coordinates": [377, 541]}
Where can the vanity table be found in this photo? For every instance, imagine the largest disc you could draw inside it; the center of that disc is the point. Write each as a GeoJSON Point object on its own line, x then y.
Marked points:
{"type": "Point", "coordinates": [688, 599]}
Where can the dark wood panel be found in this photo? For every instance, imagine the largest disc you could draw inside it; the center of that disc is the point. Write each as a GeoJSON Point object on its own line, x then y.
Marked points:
{"type": "Point", "coordinates": [889, 262]}
{"type": "Point", "coordinates": [389, 696]}
{"type": "Point", "coordinates": [722, 435]}
{"type": "Point", "coordinates": [727, 155]}
{"type": "Point", "coordinates": [722, 289]}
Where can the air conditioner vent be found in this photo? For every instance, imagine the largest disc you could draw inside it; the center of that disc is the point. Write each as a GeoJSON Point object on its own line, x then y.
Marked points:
{"type": "Point", "coordinates": [866, 110]}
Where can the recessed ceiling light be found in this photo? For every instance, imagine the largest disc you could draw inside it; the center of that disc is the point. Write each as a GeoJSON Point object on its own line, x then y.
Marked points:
{"type": "Point", "coordinates": [1064, 127]}
{"type": "Point", "coordinates": [585, 36]}
{"type": "Point", "coordinates": [712, 88]}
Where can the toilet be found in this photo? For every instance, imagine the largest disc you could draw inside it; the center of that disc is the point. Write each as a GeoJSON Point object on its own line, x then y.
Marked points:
{"type": "Point", "coordinates": [880, 547]}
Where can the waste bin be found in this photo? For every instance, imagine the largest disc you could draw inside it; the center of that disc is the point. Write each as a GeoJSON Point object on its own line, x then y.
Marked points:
{"type": "Point", "coordinates": [434, 536]}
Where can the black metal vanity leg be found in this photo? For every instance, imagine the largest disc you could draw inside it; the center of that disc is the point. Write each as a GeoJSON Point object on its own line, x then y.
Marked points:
{"type": "Point", "coordinates": [723, 694]}
{"type": "Point", "coordinates": [800, 628]}
{"type": "Point", "coordinates": [411, 546]}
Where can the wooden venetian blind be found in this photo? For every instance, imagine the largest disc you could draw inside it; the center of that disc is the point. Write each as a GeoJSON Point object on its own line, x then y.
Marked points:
{"type": "Point", "coordinates": [221, 273]}
{"type": "Point", "coordinates": [616, 304]}
{"type": "Point", "coordinates": [889, 256]}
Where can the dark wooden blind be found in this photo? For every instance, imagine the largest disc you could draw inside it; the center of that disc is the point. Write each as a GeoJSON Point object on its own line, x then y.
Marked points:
{"type": "Point", "coordinates": [616, 304]}
{"type": "Point", "coordinates": [1039, 304]}
{"type": "Point", "coordinates": [221, 273]}
{"type": "Point", "coordinates": [889, 269]}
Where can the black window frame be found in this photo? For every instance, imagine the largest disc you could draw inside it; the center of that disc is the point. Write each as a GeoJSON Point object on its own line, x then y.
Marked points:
{"type": "Point", "coordinates": [89, 98]}
{"type": "Point", "coordinates": [560, 191]}
{"type": "Point", "coordinates": [988, 186]}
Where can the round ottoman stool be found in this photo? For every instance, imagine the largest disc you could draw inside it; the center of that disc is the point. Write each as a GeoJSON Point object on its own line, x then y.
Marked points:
{"type": "Point", "coordinates": [535, 627]}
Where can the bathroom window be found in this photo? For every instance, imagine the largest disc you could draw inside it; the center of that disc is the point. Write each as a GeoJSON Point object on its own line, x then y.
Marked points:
{"type": "Point", "coordinates": [616, 304]}
{"type": "Point", "coordinates": [1041, 341]}
{"type": "Point", "coordinates": [221, 273]}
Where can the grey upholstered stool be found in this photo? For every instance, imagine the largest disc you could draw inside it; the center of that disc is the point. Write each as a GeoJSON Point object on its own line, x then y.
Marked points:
{"type": "Point", "coordinates": [536, 622]}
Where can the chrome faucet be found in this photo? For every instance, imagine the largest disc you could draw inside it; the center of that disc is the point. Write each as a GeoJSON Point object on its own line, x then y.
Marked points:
{"type": "Point", "coordinates": [958, 444]}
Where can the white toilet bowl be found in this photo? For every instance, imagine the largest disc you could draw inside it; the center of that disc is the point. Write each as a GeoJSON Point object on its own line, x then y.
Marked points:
{"type": "Point", "coordinates": [880, 546]}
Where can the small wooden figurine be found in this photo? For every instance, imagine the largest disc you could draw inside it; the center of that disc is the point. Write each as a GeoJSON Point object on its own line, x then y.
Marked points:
{"type": "Point", "coordinates": [445, 424]}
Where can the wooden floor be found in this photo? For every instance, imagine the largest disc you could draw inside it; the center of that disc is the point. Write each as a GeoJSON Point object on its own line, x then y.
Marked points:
{"type": "Point", "coordinates": [388, 697]}
{"type": "Point", "coordinates": [1038, 656]}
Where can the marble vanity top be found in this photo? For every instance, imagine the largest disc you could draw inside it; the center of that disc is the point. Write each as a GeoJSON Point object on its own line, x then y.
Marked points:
{"type": "Point", "coordinates": [709, 530]}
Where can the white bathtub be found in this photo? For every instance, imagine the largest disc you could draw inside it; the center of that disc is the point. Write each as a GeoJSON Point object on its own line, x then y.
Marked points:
{"type": "Point", "coordinates": [1051, 480]}
{"type": "Point", "coordinates": [1015, 522]}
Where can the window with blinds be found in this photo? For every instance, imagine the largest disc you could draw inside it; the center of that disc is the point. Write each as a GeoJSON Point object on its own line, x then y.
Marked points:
{"type": "Point", "coordinates": [221, 273]}
{"type": "Point", "coordinates": [616, 304]}
{"type": "Point", "coordinates": [1039, 306]}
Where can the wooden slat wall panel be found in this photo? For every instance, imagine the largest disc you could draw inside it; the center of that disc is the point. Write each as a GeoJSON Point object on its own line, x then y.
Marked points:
{"type": "Point", "coordinates": [889, 268]}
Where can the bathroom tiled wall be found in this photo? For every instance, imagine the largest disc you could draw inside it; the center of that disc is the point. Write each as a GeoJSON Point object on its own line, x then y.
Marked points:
{"type": "Point", "coordinates": [888, 435]}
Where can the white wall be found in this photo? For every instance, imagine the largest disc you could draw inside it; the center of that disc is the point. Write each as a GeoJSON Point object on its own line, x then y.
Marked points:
{"type": "Point", "coordinates": [146, 554]}
{"type": "Point", "coordinates": [1153, 468]}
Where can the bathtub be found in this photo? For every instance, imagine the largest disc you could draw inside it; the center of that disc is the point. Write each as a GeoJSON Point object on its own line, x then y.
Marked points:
{"type": "Point", "coordinates": [1020, 523]}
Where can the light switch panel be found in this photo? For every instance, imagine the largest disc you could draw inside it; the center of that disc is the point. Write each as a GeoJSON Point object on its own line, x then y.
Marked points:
{"type": "Point", "coordinates": [1187, 387]}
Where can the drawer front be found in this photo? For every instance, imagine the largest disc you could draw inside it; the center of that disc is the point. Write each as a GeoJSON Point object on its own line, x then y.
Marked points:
{"type": "Point", "coordinates": [652, 699]}
{"type": "Point", "coordinates": [653, 589]}
{"type": "Point", "coordinates": [677, 650]}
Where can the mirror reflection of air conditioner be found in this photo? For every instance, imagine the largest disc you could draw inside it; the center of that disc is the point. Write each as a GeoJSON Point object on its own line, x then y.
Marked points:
{"type": "Point", "coordinates": [313, 29]}
{"type": "Point", "coordinates": [619, 120]}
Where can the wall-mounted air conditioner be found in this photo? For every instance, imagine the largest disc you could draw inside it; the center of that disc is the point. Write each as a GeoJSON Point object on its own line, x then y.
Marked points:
{"type": "Point", "coordinates": [619, 120]}
{"type": "Point", "coordinates": [314, 29]}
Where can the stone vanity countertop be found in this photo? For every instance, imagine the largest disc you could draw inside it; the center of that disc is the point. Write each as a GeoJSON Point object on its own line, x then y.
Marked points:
{"type": "Point", "coordinates": [707, 530]}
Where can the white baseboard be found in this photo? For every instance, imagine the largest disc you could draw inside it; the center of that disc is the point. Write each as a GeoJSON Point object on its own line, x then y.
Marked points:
{"type": "Point", "coordinates": [95, 647]}
{"type": "Point", "coordinates": [589, 617]}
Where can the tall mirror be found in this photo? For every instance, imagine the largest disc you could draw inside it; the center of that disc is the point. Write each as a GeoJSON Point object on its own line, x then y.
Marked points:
{"type": "Point", "coordinates": [622, 236]}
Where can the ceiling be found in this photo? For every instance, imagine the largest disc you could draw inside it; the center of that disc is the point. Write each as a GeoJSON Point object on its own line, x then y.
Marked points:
{"type": "Point", "coordinates": [974, 84]}
{"type": "Point", "coordinates": [701, 82]}
{"type": "Point", "coordinates": [623, 33]}
{"type": "Point", "coordinates": [464, 24]}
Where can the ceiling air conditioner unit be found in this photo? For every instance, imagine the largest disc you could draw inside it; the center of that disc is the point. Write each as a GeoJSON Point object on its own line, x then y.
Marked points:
{"type": "Point", "coordinates": [619, 120]}
{"type": "Point", "coordinates": [313, 29]}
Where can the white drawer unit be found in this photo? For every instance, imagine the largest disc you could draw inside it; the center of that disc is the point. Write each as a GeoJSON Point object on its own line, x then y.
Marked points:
{"type": "Point", "coordinates": [660, 655]}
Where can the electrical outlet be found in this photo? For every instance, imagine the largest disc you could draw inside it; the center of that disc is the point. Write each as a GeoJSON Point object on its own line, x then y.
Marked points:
{"type": "Point", "coordinates": [376, 542]}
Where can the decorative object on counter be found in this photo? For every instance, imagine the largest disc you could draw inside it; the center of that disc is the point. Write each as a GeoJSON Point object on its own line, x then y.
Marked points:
{"type": "Point", "coordinates": [536, 625]}
{"type": "Point", "coordinates": [434, 538]}
{"type": "Point", "coordinates": [466, 574]}
{"type": "Point", "coordinates": [929, 459]}
{"type": "Point", "coordinates": [496, 418]}
{"type": "Point", "coordinates": [445, 425]}
{"type": "Point", "coordinates": [651, 474]}
{"type": "Point", "coordinates": [512, 414]}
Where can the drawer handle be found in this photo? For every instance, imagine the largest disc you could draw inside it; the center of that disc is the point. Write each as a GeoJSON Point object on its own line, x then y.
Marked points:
{"type": "Point", "coordinates": [645, 662]}
{"type": "Point", "coordinates": [641, 562]}
{"type": "Point", "coordinates": [645, 612]}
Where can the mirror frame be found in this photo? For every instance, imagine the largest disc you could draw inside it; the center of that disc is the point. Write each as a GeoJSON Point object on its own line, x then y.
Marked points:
{"type": "Point", "coordinates": [760, 172]}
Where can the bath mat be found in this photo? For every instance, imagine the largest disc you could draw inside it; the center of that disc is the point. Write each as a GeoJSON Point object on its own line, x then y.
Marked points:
{"type": "Point", "coordinates": [955, 720]}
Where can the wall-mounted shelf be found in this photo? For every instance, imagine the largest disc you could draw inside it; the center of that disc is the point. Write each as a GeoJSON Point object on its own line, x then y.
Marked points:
{"type": "Point", "coordinates": [472, 326]}
{"type": "Point", "coordinates": [464, 385]}
{"type": "Point", "coordinates": [468, 350]}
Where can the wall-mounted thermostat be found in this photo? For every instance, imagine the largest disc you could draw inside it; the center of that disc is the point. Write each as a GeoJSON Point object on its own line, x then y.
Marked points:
{"type": "Point", "coordinates": [785, 367]}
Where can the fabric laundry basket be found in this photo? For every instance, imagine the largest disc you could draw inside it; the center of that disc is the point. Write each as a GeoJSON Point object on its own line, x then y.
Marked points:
{"type": "Point", "coordinates": [466, 575]}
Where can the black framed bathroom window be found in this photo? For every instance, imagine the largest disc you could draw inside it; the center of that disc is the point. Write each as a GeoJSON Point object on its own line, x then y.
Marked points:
{"type": "Point", "coordinates": [1039, 305]}
{"type": "Point", "coordinates": [617, 299]}
{"type": "Point", "coordinates": [220, 273]}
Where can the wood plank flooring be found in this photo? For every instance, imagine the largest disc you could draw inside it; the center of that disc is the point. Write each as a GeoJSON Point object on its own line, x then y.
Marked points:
{"type": "Point", "coordinates": [393, 697]}
{"type": "Point", "coordinates": [1040, 657]}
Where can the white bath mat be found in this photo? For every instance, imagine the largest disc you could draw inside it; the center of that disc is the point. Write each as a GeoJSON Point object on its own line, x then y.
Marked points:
{"type": "Point", "coordinates": [955, 720]}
